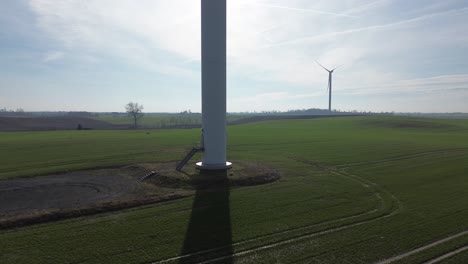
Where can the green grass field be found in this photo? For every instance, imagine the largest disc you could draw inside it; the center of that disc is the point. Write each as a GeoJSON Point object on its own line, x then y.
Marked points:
{"type": "Point", "coordinates": [353, 190]}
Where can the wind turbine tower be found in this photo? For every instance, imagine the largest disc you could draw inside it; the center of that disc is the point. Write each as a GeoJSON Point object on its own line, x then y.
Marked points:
{"type": "Point", "coordinates": [213, 31]}
{"type": "Point", "coordinates": [329, 87]}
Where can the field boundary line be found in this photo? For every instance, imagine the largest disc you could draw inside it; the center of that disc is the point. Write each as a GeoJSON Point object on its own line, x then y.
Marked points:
{"type": "Point", "coordinates": [422, 248]}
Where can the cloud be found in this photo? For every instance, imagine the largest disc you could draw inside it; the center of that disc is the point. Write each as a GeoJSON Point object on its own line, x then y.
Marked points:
{"type": "Point", "coordinates": [53, 56]}
{"type": "Point", "coordinates": [445, 83]}
{"type": "Point", "coordinates": [386, 46]}
{"type": "Point", "coordinates": [367, 28]}
{"type": "Point", "coordinates": [144, 34]}
{"type": "Point", "coordinates": [303, 10]}
{"type": "Point", "coordinates": [368, 6]}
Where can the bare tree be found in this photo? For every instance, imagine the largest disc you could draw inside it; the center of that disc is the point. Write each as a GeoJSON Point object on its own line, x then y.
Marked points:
{"type": "Point", "coordinates": [135, 111]}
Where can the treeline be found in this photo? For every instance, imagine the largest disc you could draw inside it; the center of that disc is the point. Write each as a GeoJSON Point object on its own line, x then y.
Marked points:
{"type": "Point", "coordinates": [185, 113]}
{"type": "Point", "coordinates": [189, 117]}
{"type": "Point", "coordinates": [20, 112]}
{"type": "Point", "coordinates": [296, 112]}
{"type": "Point", "coordinates": [436, 115]}
{"type": "Point", "coordinates": [9, 112]}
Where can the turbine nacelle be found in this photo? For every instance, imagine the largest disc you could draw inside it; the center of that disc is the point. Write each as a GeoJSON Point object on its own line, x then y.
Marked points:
{"type": "Point", "coordinates": [329, 71]}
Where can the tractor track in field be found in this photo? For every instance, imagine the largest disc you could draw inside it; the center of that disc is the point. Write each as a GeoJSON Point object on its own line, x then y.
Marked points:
{"type": "Point", "coordinates": [213, 250]}
{"type": "Point", "coordinates": [402, 157]}
{"type": "Point", "coordinates": [378, 192]}
{"type": "Point", "coordinates": [429, 246]}
{"type": "Point", "coordinates": [447, 255]}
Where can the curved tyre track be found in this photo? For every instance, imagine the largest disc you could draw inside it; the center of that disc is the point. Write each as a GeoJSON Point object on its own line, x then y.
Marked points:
{"type": "Point", "coordinates": [428, 246]}
{"type": "Point", "coordinates": [447, 255]}
{"type": "Point", "coordinates": [402, 157]}
{"type": "Point", "coordinates": [385, 198]}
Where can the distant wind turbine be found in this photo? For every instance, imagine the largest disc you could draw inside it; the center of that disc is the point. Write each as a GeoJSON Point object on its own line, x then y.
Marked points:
{"type": "Point", "coordinates": [329, 87]}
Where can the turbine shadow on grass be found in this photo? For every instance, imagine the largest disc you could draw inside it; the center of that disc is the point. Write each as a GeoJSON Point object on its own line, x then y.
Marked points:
{"type": "Point", "coordinates": [210, 221]}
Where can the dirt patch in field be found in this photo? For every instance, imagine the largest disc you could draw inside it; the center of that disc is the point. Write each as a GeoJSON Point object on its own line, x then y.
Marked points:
{"type": "Point", "coordinates": [54, 197]}
{"type": "Point", "coordinates": [242, 174]}
{"type": "Point", "coordinates": [53, 123]}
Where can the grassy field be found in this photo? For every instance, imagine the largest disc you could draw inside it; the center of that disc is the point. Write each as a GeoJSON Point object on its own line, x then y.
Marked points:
{"type": "Point", "coordinates": [353, 190]}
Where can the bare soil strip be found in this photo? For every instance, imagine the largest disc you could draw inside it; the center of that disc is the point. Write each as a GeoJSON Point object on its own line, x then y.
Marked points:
{"type": "Point", "coordinates": [420, 249]}
{"type": "Point", "coordinates": [55, 197]}
{"type": "Point", "coordinates": [307, 235]}
{"type": "Point", "coordinates": [54, 123]}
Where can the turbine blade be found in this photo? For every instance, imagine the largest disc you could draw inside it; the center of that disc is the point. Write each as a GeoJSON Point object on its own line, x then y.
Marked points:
{"type": "Point", "coordinates": [322, 66]}
{"type": "Point", "coordinates": [329, 82]}
{"type": "Point", "coordinates": [338, 67]}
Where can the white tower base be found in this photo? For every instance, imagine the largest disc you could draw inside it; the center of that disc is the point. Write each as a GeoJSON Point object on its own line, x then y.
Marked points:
{"type": "Point", "coordinates": [202, 166]}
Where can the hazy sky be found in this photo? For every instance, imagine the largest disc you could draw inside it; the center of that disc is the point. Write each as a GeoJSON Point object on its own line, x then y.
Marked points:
{"type": "Point", "coordinates": [398, 55]}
